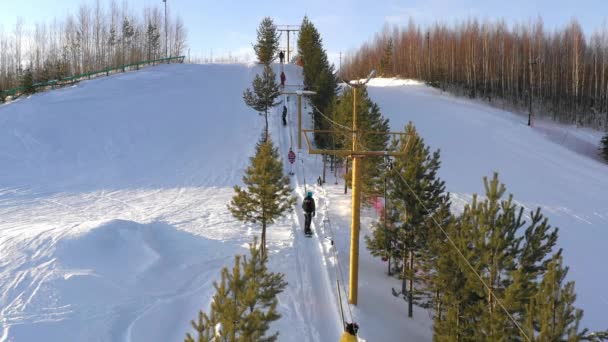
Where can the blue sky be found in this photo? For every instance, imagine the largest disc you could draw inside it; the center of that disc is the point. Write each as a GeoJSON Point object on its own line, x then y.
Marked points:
{"type": "Point", "coordinates": [229, 26]}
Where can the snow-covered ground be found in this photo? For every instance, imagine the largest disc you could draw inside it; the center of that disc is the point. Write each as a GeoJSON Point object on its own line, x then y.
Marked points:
{"type": "Point", "coordinates": [113, 218]}
{"type": "Point", "coordinates": [551, 166]}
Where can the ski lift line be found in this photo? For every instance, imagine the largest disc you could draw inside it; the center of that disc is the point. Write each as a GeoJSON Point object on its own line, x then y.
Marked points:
{"type": "Point", "coordinates": [328, 119]}
{"type": "Point", "coordinates": [521, 330]}
{"type": "Point", "coordinates": [339, 275]}
{"type": "Point", "coordinates": [338, 268]}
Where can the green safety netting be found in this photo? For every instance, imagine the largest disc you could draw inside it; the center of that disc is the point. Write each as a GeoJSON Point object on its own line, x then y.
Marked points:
{"type": "Point", "coordinates": [88, 75]}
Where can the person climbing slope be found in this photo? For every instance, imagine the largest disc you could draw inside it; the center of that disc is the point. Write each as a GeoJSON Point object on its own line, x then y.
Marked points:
{"type": "Point", "coordinates": [309, 211]}
{"type": "Point", "coordinates": [284, 116]}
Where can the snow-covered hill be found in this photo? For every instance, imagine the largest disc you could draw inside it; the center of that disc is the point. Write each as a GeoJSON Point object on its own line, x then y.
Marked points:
{"type": "Point", "coordinates": [549, 166]}
{"type": "Point", "coordinates": [113, 218]}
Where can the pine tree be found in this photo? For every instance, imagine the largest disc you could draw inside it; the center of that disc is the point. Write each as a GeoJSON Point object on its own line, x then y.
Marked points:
{"type": "Point", "coordinates": [555, 315]}
{"type": "Point", "coordinates": [511, 263]}
{"type": "Point", "coordinates": [318, 76]}
{"type": "Point", "coordinates": [264, 95]}
{"type": "Point", "coordinates": [245, 303]}
{"type": "Point", "coordinates": [415, 172]}
{"type": "Point", "coordinates": [27, 82]}
{"type": "Point", "coordinates": [267, 193]}
{"type": "Point", "coordinates": [128, 31]}
{"type": "Point", "coordinates": [387, 58]}
{"type": "Point", "coordinates": [152, 41]}
{"type": "Point", "coordinates": [369, 119]}
{"type": "Point", "coordinates": [604, 147]}
{"type": "Point", "coordinates": [267, 43]}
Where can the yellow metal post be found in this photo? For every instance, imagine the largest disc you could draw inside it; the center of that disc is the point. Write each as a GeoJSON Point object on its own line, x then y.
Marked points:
{"type": "Point", "coordinates": [356, 196]}
{"type": "Point", "coordinates": [300, 122]}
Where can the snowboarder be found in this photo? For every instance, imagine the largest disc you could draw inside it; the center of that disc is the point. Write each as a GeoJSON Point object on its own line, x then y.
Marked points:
{"type": "Point", "coordinates": [350, 333]}
{"type": "Point", "coordinates": [284, 116]}
{"type": "Point", "coordinates": [309, 211]}
{"type": "Point", "coordinates": [283, 79]}
{"type": "Point", "coordinates": [320, 181]}
{"type": "Point", "coordinates": [282, 56]}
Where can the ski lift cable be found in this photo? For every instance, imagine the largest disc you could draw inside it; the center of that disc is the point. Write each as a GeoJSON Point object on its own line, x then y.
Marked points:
{"type": "Point", "coordinates": [337, 268]}
{"type": "Point", "coordinates": [328, 119]}
{"type": "Point", "coordinates": [286, 97]}
{"type": "Point", "coordinates": [340, 277]}
{"type": "Point", "coordinates": [521, 330]}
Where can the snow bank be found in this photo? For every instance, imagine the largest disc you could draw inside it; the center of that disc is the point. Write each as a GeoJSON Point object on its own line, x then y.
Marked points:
{"type": "Point", "coordinates": [393, 82]}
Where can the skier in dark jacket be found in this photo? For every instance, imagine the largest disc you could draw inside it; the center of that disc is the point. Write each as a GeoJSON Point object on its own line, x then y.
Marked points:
{"type": "Point", "coordinates": [282, 56]}
{"type": "Point", "coordinates": [284, 116]}
{"type": "Point", "coordinates": [309, 211]}
{"type": "Point", "coordinates": [283, 79]}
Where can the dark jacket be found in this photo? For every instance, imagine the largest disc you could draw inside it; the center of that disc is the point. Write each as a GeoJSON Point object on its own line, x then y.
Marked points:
{"type": "Point", "coordinates": [308, 205]}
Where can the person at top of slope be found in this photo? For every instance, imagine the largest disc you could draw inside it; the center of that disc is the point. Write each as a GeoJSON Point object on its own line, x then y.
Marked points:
{"type": "Point", "coordinates": [350, 333]}
{"type": "Point", "coordinates": [309, 211]}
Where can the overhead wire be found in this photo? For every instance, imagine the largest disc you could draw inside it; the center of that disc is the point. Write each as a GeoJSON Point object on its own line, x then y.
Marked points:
{"type": "Point", "coordinates": [330, 120]}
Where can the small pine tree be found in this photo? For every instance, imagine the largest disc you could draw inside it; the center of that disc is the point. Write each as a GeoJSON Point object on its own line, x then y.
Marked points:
{"type": "Point", "coordinates": [267, 194]}
{"type": "Point", "coordinates": [555, 315]}
{"type": "Point", "coordinates": [264, 95]}
{"type": "Point", "coordinates": [604, 147]}
{"type": "Point", "coordinates": [27, 81]}
{"type": "Point", "coordinates": [411, 214]}
{"type": "Point", "coordinates": [267, 43]}
{"type": "Point", "coordinates": [245, 302]}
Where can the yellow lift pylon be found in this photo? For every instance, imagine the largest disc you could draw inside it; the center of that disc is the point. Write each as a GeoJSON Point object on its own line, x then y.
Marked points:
{"type": "Point", "coordinates": [356, 155]}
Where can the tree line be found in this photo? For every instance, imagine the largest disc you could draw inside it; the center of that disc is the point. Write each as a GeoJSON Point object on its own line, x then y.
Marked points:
{"type": "Point", "coordinates": [564, 73]}
{"type": "Point", "coordinates": [94, 38]}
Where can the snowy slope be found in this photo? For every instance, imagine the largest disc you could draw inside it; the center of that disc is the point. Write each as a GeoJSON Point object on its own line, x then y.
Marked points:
{"type": "Point", "coordinates": [548, 166]}
{"type": "Point", "coordinates": [113, 193]}
{"type": "Point", "coordinates": [113, 210]}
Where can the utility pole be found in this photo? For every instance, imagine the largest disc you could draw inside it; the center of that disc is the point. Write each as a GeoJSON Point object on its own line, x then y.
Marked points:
{"type": "Point", "coordinates": [530, 63]}
{"type": "Point", "coordinates": [288, 29]}
{"type": "Point", "coordinates": [356, 155]}
{"type": "Point", "coordinates": [428, 46]}
{"type": "Point", "coordinates": [166, 33]}
{"type": "Point", "coordinates": [353, 279]}
{"type": "Point", "coordinates": [340, 66]}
